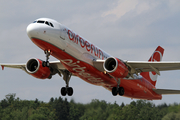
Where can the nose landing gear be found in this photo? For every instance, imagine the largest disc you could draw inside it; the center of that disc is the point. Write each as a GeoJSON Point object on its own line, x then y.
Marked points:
{"type": "Point", "coordinates": [46, 63]}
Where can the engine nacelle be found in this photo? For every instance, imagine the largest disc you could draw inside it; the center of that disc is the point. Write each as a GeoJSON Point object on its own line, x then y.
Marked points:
{"type": "Point", "coordinates": [34, 67]}
{"type": "Point", "coordinates": [115, 67]}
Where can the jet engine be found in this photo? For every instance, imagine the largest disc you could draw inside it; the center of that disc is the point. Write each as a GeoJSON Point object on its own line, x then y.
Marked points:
{"type": "Point", "coordinates": [115, 67]}
{"type": "Point", "coordinates": [34, 67]}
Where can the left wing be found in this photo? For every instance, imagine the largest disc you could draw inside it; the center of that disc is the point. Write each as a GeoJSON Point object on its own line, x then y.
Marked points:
{"type": "Point", "coordinates": [143, 66]}
{"type": "Point", "coordinates": [166, 91]}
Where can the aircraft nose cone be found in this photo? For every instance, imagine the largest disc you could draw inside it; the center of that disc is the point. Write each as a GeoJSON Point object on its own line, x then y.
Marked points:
{"type": "Point", "coordinates": [32, 30]}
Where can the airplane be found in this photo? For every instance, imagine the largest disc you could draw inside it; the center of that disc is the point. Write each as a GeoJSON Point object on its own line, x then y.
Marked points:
{"type": "Point", "coordinates": [79, 57]}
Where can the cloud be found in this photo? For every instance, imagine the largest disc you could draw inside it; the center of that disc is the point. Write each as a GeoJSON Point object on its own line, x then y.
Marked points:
{"type": "Point", "coordinates": [124, 7]}
{"type": "Point", "coordinates": [121, 9]}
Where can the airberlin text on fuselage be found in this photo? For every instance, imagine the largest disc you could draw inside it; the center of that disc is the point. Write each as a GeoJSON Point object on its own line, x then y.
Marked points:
{"type": "Point", "coordinates": [81, 70]}
{"type": "Point", "coordinates": [85, 44]}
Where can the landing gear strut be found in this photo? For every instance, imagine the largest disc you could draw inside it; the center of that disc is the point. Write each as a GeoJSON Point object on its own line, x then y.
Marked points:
{"type": "Point", "coordinates": [116, 90]}
{"type": "Point", "coordinates": [46, 63]}
{"type": "Point", "coordinates": [66, 90]}
{"type": "Point", "coordinates": [66, 76]}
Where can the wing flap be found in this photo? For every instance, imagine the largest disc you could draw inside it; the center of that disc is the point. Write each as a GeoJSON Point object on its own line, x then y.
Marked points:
{"type": "Point", "coordinates": [166, 91]}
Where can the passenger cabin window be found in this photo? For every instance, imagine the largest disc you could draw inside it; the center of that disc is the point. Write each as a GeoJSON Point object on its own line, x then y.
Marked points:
{"type": "Point", "coordinates": [46, 22]}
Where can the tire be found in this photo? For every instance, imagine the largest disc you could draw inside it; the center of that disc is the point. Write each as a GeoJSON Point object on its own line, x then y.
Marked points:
{"type": "Point", "coordinates": [44, 64]}
{"type": "Point", "coordinates": [114, 91]}
{"type": "Point", "coordinates": [47, 64]}
{"type": "Point", "coordinates": [70, 91]}
{"type": "Point", "coordinates": [121, 91]}
{"type": "Point", "coordinates": [63, 91]}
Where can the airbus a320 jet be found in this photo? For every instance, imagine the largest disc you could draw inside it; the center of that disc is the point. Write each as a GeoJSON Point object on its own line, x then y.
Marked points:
{"type": "Point", "coordinates": [79, 57]}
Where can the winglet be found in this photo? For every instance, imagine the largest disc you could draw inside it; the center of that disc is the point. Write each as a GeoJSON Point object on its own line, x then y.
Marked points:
{"type": "Point", "coordinates": [2, 67]}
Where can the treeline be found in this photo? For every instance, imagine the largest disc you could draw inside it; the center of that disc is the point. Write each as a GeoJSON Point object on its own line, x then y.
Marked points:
{"type": "Point", "coordinates": [12, 108]}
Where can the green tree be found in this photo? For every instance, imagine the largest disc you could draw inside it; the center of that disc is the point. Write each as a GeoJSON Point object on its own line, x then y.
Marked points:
{"type": "Point", "coordinates": [75, 111]}
{"type": "Point", "coordinates": [4, 103]}
{"type": "Point", "coordinates": [96, 110]}
{"type": "Point", "coordinates": [169, 116]}
{"type": "Point", "coordinates": [37, 117]}
{"type": "Point", "coordinates": [61, 108]}
{"type": "Point", "coordinates": [10, 97]}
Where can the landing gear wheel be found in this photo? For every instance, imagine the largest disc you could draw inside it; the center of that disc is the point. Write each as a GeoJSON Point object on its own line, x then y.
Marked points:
{"type": "Point", "coordinates": [114, 91]}
{"type": "Point", "coordinates": [118, 90]}
{"type": "Point", "coordinates": [121, 91]}
{"type": "Point", "coordinates": [70, 91]}
{"type": "Point", "coordinates": [63, 91]}
{"type": "Point", "coordinates": [45, 63]}
{"type": "Point", "coordinates": [66, 77]}
{"type": "Point", "coordinates": [67, 90]}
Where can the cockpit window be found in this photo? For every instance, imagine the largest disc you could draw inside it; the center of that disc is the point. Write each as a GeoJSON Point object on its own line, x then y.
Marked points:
{"type": "Point", "coordinates": [39, 21]}
{"type": "Point", "coordinates": [46, 22]}
{"type": "Point", "coordinates": [51, 24]}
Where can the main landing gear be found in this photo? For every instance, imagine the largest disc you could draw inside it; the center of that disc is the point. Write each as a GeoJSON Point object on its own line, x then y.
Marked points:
{"type": "Point", "coordinates": [66, 90]}
{"type": "Point", "coordinates": [66, 76]}
{"type": "Point", "coordinates": [116, 90]}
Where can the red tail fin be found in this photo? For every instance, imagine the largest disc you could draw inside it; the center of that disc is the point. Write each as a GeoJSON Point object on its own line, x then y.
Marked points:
{"type": "Point", "coordinates": [156, 56]}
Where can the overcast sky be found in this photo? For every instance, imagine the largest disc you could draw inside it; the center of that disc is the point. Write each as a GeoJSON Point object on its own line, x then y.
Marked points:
{"type": "Point", "coordinates": [127, 29]}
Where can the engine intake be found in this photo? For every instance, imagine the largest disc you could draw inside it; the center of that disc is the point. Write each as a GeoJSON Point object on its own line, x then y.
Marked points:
{"type": "Point", "coordinates": [34, 67]}
{"type": "Point", "coordinates": [115, 67]}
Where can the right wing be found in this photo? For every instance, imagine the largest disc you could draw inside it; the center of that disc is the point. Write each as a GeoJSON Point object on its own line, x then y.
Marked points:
{"type": "Point", "coordinates": [53, 64]}
{"type": "Point", "coordinates": [13, 65]}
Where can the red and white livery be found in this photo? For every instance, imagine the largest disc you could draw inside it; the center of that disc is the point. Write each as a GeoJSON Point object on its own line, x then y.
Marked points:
{"type": "Point", "coordinates": [79, 57]}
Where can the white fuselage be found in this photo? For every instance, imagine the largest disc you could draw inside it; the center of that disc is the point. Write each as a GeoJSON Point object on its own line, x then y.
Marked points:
{"type": "Point", "coordinates": [66, 40]}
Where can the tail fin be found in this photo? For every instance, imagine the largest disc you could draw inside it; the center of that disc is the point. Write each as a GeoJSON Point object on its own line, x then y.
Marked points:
{"type": "Point", "coordinates": [156, 56]}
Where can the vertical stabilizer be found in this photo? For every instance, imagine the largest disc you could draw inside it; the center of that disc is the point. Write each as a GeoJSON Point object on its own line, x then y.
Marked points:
{"type": "Point", "coordinates": [156, 56]}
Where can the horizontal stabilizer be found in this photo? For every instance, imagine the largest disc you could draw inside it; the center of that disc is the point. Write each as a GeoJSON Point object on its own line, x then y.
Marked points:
{"type": "Point", "coordinates": [166, 91]}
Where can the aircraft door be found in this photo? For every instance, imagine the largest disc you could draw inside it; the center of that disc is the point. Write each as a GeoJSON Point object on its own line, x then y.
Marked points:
{"type": "Point", "coordinates": [62, 34]}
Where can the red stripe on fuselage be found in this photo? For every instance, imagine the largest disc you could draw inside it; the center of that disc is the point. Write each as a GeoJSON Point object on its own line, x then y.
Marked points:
{"type": "Point", "coordinates": [140, 88]}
